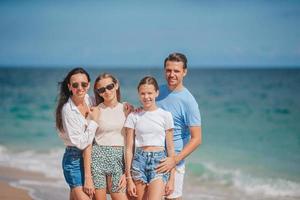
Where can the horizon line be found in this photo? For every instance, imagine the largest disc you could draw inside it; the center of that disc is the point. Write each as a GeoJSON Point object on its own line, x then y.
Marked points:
{"type": "Point", "coordinates": [153, 67]}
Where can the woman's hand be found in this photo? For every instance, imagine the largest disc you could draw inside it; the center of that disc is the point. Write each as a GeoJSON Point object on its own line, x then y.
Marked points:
{"type": "Point", "coordinates": [122, 183]}
{"type": "Point", "coordinates": [94, 113]}
{"type": "Point", "coordinates": [128, 108]}
{"type": "Point", "coordinates": [88, 187]}
{"type": "Point", "coordinates": [131, 188]}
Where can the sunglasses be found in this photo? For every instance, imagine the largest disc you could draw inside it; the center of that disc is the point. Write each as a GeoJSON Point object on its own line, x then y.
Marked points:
{"type": "Point", "coordinates": [108, 87]}
{"type": "Point", "coordinates": [76, 85]}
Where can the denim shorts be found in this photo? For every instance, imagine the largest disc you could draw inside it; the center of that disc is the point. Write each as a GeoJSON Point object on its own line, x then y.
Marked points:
{"type": "Point", "coordinates": [73, 168]}
{"type": "Point", "coordinates": [144, 164]}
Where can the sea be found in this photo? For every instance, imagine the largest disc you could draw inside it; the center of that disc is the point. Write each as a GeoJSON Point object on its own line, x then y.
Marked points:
{"type": "Point", "coordinates": [250, 130]}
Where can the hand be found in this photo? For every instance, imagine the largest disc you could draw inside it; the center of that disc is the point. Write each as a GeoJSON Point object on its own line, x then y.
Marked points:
{"type": "Point", "coordinates": [138, 110]}
{"type": "Point", "coordinates": [169, 189]}
{"type": "Point", "coordinates": [128, 108]}
{"type": "Point", "coordinates": [122, 183]}
{"type": "Point", "coordinates": [88, 187]}
{"type": "Point", "coordinates": [166, 165]}
{"type": "Point", "coordinates": [131, 188]}
{"type": "Point", "coordinates": [94, 113]}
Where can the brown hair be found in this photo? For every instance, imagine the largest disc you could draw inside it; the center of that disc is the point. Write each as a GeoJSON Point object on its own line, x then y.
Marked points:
{"type": "Point", "coordinates": [177, 57]}
{"type": "Point", "coordinates": [100, 99]}
{"type": "Point", "coordinates": [65, 93]}
{"type": "Point", "coordinates": [150, 81]}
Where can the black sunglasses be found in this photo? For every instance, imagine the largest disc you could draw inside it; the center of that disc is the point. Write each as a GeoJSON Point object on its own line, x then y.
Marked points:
{"type": "Point", "coordinates": [108, 87]}
{"type": "Point", "coordinates": [76, 85]}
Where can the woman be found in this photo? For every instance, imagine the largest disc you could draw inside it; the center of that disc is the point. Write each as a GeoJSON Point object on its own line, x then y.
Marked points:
{"type": "Point", "coordinates": [76, 124]}
{"type": "Point", "coordinates": [107, 152]}
{"type": "Point", "coordinates": [148, 130]}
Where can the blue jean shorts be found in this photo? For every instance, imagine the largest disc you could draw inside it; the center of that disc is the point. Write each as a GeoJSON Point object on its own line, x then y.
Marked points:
{"type": "Point", "coordinates": [73, 168]}
{"type": "Point", "coordinates": [144, 164]}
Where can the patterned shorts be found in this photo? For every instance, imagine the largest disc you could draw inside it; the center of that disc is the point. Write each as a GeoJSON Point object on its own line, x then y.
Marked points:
{"type": "Point", "coordinates": [107, 161]}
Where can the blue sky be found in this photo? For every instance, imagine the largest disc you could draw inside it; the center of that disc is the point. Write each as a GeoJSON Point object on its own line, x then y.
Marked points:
{"type": "Point", "coordinates": [143, 33]}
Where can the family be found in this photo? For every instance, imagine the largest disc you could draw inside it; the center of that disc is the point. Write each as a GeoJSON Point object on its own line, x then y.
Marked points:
{"type": "Point", "coordinates": [129, 153]}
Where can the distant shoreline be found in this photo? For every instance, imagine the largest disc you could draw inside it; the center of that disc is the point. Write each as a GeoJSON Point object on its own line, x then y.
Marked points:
{"type": "Point", "coordinates": [154, 67]}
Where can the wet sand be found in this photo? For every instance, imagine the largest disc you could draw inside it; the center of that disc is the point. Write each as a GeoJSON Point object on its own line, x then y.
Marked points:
{"type": "Point", "coordinates": [8, 176]}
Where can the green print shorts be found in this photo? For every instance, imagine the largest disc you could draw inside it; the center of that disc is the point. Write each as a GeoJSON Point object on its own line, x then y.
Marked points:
{"type": "Point", "coordinates": [107, 161]}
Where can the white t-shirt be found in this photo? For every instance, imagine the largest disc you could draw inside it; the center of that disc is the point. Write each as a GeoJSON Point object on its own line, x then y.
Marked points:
{"type": "Point", "coordinates": [78, 131]}
{"type": "Point", "coordinates": [150, 127]}
{"type": "Point", "coordinates": [111, 123]}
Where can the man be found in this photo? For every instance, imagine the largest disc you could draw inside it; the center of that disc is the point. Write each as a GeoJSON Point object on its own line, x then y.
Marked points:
{"type": "Point", "coordinates": [175, 98]}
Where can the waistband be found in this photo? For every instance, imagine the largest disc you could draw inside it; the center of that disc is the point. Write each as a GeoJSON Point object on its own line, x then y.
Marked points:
{"type": "Point", "coordinates": [72, 148]}
{"type": "Point", "coordinates": [140, 150]}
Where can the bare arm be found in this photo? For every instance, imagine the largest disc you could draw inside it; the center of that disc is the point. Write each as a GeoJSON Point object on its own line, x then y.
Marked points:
{"type": "Point", "coordinates": [195, 141]}
{"type": "Point", "coordinates": [131, 189]}
{"type": "Point", "coordinates": [88, 179]}
{"type": "Point", "coordinates": [171, 153]}
{"type": "Point", "coordinates": [170, 162]}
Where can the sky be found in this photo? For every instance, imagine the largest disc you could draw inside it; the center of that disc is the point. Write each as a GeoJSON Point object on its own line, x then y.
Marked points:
{"type": "Point", "coordinates": [254, 33]}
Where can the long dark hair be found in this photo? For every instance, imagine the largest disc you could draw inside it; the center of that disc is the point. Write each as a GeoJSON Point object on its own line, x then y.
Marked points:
{"type": "Point", "coordinates": [100, 99]}
{"type": "Point", "coordinates": [65, 93]}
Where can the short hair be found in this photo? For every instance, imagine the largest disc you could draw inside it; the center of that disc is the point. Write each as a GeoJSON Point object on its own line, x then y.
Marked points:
{"type": "Point", "coordinates": [177, 57]}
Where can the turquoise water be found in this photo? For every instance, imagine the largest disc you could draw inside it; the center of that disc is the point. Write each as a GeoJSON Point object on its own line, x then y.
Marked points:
{"type": "Point", "coordinates": [251, 133]}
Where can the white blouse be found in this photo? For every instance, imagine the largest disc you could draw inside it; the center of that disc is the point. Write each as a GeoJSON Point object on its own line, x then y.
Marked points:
{"type": "Point", "coordinates": [78, 131]}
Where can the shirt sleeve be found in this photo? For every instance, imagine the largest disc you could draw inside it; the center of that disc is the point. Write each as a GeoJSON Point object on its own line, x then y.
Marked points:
{"type": "Point", "coordinates": [169, 123]}
{"type": "Point", "coordinates": [193, 115]}
{"type": "Point", "coordinates": [130, 121]}
{"type": "Point", "coordinates": [80, 135]}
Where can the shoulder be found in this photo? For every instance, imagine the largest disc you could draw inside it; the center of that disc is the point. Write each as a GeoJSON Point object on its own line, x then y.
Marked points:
{"type": "Point", "coordinates": [187, 96]}
{"type": "Point", "coordinates": [164, 112]}
{"type": "Point", "coordinates": [67, 108]}
{"type": "Point", "coordinates": [132, 115]}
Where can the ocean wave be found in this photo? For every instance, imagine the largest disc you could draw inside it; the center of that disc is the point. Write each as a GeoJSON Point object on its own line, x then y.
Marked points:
{"type": "Point", "coordinates": [47, 163]}
{"type": "Point", "coordinates": [249, 184]}
{"type": "Point", "coordinates": [218, 181]}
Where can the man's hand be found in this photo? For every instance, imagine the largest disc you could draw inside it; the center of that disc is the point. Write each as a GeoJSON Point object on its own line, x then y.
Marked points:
{"type": "Point", "coordinates": [166, 165]}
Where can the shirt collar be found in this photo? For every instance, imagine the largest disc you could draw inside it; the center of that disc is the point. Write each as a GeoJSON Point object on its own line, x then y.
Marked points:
{"type": "Point", "coordinates": [74, 107]}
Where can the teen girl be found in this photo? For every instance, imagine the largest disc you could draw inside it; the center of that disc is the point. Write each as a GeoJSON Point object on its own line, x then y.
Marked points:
{"type": "Point", "coordinates": [148, 131]}
{"type": "Point", "coordinates": [107, 153]}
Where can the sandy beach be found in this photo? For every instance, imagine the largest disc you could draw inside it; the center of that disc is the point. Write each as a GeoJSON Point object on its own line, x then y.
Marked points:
{"type": "Point", "coordinates": [9, 175]}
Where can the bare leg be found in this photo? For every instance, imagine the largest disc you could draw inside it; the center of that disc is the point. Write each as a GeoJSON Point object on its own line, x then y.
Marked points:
{"type": "Point", "coordinates": [141, 190]}
{"type": "Point", "coordinates": [78, 194]}
{"type": "Point", "coordinates": [115, 195]}
{"type": "Point", "coordinates": [156, 189]}
{"type": "Point", "coordinates": [71, 196]}
{"type": "Point", "coordinates": [100, 194]}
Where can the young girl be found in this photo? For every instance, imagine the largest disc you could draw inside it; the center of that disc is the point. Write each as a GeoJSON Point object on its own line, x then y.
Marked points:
{"type": "Point", "coordinates": [77, 125]}
{"type": "Point", "coordinates": [107, 152]}
{"type": "Point", "coordinates": [148, 131]}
